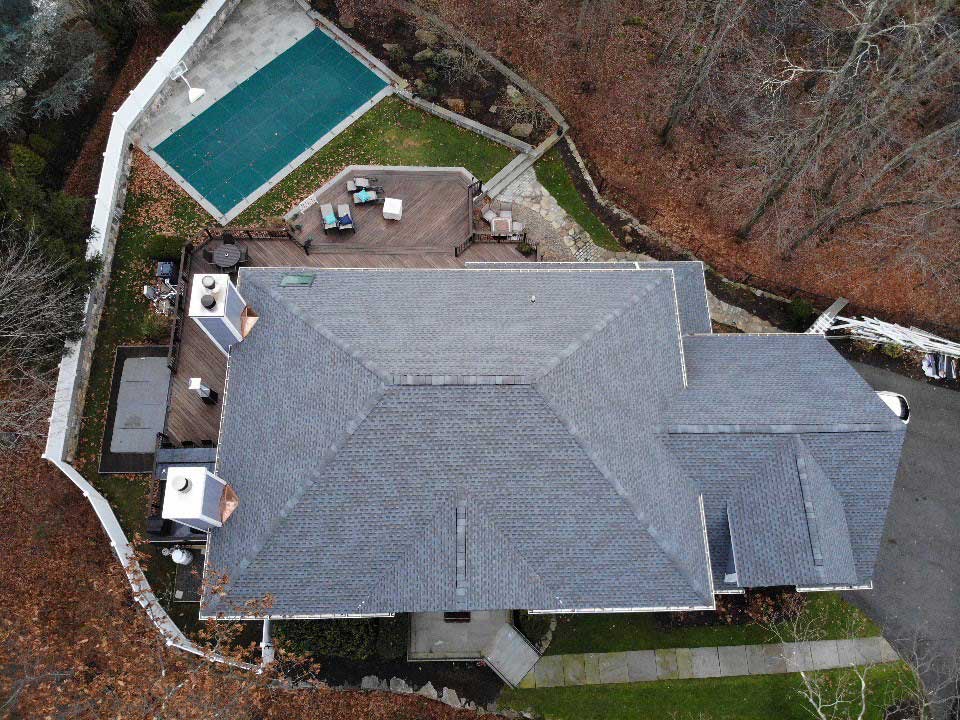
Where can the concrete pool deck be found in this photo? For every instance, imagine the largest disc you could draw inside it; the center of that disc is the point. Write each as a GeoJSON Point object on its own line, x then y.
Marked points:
{"type": "Point", "coordinates": [254, 34]}
{"type": "Point", "coordinates": [254, 37]}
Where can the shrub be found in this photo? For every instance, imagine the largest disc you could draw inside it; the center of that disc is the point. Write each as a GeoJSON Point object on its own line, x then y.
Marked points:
{"type": "Point", "coordinates": [355, 639]}
{"type": "Point", "coordinates": [431, 74]}
{"type": "Point", "coordinates": [635, 21]}
{"type": "Point", "coordinates": [397, 54]}
{"type": "Point", "coordinates": [525, 248]}
{"type": "Point", "coordinates": [892, 350]}
{"type": "Point", "coordinates": [801, 314]}
{"type": "Point", "coordinates": [392, 636]}
{"type": "Point", "coordinates": [154, 328]}
{"type": "Point", "coordinates": [428, 91]}
{"type": "Point", "coordinates": [533, 627]}
{"type": "Point", "coordinates": [770, 606]}
{"type": "Point", "coordinates": [27, 166]}
{"type": "Point", "coordinates": [41, 144]}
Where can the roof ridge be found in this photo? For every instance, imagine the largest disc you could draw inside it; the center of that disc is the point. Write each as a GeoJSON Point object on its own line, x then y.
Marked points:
{"type": "Point", "coordinates": [326, 457]}
{"type": "Point", "coordinates": [585, 339]}
{"type": "Point", "coordinates": [622, 494]}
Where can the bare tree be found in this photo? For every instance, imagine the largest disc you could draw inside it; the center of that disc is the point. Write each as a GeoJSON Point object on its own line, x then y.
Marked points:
{"type": "Point", "coordinates": [727, 15]}
{"type": "Point", "coordinates": [38, 314]}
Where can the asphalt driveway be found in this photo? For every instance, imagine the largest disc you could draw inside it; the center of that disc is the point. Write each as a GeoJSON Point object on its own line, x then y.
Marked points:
{"type": "Point", "coordinates": [917, 579]}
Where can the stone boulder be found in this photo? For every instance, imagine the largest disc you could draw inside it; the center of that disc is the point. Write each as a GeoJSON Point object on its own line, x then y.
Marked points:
{"type": "Point", "coordinates": [426, 37]}
{"type": "Point", "coordinates": [398, 685]}
{"type": "Point", "coordinates": [428, 691]}
{"type": "Point", "coordinates": [425, 55]}
{"type": "Point", "coordinates": [370, 682]}
{"type": "Point", "coordinates": [522, 131]}
{"type": "Point", "coordinates": [513, 92]}
{"type": "Point", "coordinates": [450, 697]}
{"type": "Point", "coordinates": [456, 104]}
{"type": "Point", "coordinates": [451, 53]}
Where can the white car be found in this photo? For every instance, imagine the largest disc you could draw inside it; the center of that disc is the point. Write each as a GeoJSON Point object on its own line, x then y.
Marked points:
{"type": "Point", "coordinates": [896, 402]}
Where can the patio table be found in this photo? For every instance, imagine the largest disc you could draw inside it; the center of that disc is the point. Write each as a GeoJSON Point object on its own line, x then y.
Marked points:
{"type": "Point", "coordinates": [226, 256]}
{"type": "Point", "coordinates": [501, 227]}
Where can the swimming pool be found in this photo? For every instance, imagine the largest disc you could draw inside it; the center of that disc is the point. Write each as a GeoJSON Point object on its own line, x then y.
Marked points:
{"type": "Point", "coordinates": [236, 146]}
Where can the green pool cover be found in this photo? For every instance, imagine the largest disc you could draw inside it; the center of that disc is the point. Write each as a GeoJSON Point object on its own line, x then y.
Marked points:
{"type": "Point", "coordinates": [259, 127]}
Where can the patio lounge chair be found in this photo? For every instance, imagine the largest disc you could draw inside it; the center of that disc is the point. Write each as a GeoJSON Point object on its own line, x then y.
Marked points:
{"type": "Point", "coordinates": [373, 195]}
{"type": "Point", "coordinates": [328, 217]}
{"type": "Point", "coordinates": [489, 215]}
{"type": "Point", "coordinates": [344, 221]}
{"type": "Point", "coordinates": [360, 183]}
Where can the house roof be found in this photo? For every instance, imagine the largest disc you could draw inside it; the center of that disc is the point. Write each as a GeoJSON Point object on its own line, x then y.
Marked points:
{"type": "Point", "coordinates": [437, 440]}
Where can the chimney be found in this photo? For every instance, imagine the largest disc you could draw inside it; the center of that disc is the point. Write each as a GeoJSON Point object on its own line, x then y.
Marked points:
{"type": "Point", "coordinates": [196, 497]}
{"type": "Point", "coordinates": [220, 310]}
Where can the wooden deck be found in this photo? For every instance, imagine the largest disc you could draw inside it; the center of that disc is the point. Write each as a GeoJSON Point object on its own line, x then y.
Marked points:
{"type": "Point", "coordinates": [436, 215]}
{"type": "Point", "coordinates": [421, 240]}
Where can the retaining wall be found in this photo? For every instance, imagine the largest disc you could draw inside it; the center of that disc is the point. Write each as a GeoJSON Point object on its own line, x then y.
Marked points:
{"type": "Point", "coordinates": [67, 408]}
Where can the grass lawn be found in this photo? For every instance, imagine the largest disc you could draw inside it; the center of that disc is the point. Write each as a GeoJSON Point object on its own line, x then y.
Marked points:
{"type": "Point", "coordinates": [392, 133]}
{"type": "Point", "coordinates": [737, 698]}
{"type": "Point", "coordinates": [553, 175]}
{"type": "Point", "coordinates": [615, 632]}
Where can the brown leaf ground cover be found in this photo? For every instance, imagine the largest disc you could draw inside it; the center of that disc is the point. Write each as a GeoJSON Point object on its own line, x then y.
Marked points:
{"type": "Point", "coordinates": [616, 94]}
{"type": "Point", "coordinates": [73, 643]}
{"type": "Point", "coordinates": [85, 174]}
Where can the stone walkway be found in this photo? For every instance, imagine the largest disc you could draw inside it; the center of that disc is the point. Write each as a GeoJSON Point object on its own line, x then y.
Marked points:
{"type": "Point", "coordinates": [706, 662]}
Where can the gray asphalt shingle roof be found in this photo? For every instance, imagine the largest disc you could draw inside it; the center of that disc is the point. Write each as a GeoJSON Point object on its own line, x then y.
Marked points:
{"type": "Point", "coordinates": [577, 434]}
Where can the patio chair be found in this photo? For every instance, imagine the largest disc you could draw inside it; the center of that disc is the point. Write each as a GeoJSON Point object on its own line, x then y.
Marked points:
{"type": "Point", "coordinates": [344, 221]}
{"type": "Point", "coordinates": [208, 254]}
{"type": "Point", "coordinates": [489, 215]}
{"type": "Point", "coordinates": [328, 216]}
{"type": "Point", "coordinates": [363, 197]}
{"type": "Point", "coordinates": [228, 239]}
{"type": "Point", "coordinates": [244, 254]}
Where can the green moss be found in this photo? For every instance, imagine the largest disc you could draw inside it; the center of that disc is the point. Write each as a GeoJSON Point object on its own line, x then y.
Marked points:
{"type": "Point", "coordinates": [553, 175]}
{"type": "Point", "coordinates": [736, 698]}
{"type": "Point", "coordinates": [614, 632]}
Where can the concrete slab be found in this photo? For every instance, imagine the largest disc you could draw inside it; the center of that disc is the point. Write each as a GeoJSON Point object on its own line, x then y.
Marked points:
{"type": "Point", "coordinates": [888, 653]}
{"type": "Point", "coordinates": [848, 652]}
{"type": "Point", "coordinates": [230, 59]}
{"type": "Point", "coordinates": [733, 660]}
{"type": "Point", "coordinates": [433, 639]}
{"type": "Point", "coordinates": [613, 668]}
{"type": "Point", "coordinates": [684, 663]}
{"type": "Point", "coordinates": [706, 662]}
{"type": "Point", "coordinates": [757, 660]}
{"type": "Point", "coordinates": [510, 655]}
{"type": "Point", "coordinates": [824, 654]}
{"type": "Point", "coordinates": [549, 671]}
{"type": "Point", "coordinates": [573, 670]}
{"type": "Point", "coordinates": [591, 668]}
{"type": "Point", "coordinates": [666, 664]}
{"type": "Point", "coordinates": [530, 680]}
{"type": "Point", "coordinates": [870, 650]}
{"type": "Point", "coordinates": [798, 656]}
{"type": "Point", "coordinates": [641, 665]}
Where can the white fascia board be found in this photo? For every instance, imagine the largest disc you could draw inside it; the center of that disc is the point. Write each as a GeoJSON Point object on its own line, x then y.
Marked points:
{"type": "Point", "coordinates": [835, 588]}
{"type": "Point", "coordinates": [272, 616]}
{"type": "Point", "coordinates": [585, 611]}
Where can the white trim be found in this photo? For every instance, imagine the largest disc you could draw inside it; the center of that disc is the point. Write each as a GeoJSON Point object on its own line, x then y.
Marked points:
{"type": "Point", "coordinates": [835, 588]}
{"type": "Point", "coordinates": [278, 616]}
{"type": "Point", "coordinates": [595, 611]}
